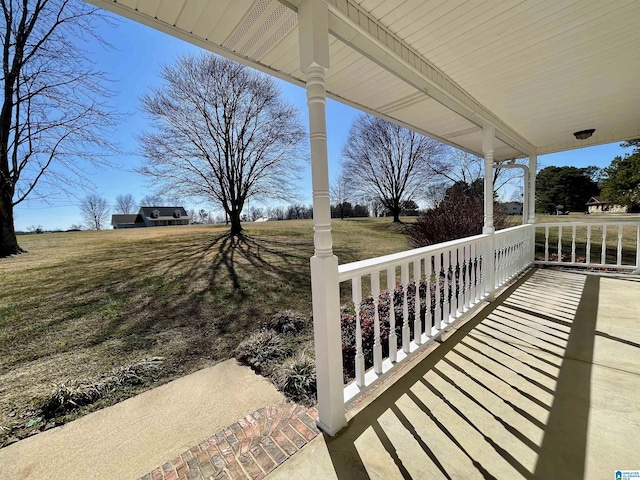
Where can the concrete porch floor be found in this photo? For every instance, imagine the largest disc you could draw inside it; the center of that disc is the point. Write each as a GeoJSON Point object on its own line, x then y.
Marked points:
{"type": "Point", "coordinates": [542, 384]}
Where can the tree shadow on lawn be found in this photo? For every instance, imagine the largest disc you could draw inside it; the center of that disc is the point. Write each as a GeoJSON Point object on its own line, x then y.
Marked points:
{"type": "Point", "coordinates": [210, 295]}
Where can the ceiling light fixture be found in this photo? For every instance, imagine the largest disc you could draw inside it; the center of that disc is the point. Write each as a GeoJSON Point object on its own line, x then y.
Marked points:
{"type": "Point", "coordinates": [584, 134]}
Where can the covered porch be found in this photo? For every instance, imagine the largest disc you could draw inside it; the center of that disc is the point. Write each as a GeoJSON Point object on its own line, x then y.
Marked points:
{"type": "Point", "coordinates": [504, 81]}
{"type": "Point", "coordinates": [541, 383]}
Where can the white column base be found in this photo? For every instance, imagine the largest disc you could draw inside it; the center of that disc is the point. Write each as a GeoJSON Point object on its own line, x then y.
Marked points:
{"type": "Point", "coordinates": [328, 345]}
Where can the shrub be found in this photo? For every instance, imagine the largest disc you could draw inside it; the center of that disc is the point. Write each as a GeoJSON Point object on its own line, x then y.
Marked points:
{"type": "Point", "coordinates": [458, 216]}
{"type": "Point", "coordinates": [288, 321]}
{"type": "Point", "coordinates": [66, 397]}
{"type": "Point", "coordinates": [297, 378]}
{"type": "Point", "coordinates": [262, 350]}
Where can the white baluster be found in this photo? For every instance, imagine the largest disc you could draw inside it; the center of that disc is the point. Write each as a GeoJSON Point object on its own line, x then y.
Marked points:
{"type": "Point", "coordinates": [588, 252]}
{"type": "Point", "coordinates": [470, 287]}
{"type": "Point", "coordinates": [619, 252]}
{"type": "Point", "coordinates": [546, 244]}
{"type": "Point", "coordinates": [393, 338]}
{"type": "Point", "coordinates": [603, 254]}
{"type": "Point", "coordinates": [356, 293]}
{"type": "Point", "coordinates": [573, 244]}
{"type": "Point", "coordinates": [417, 324]}
{"type": "Point", "coordinates": [377, 345]}
{"type": "Point", "coordinates": [438, 310]}
{"type": "Point", "coordinates": [446, 306]}
{"type": "Point", "coordinates": [428, 316]}
{"type": "Point", "coordinates": [406, 334]}
{"type": "Point", "coordinates": [560, 244]}
{"type": "Point", "coordinates": [459, 285]}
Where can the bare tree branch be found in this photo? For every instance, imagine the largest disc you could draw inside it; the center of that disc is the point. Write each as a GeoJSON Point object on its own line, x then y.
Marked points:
{"type": "Point", "coordinates": [222, 133]}
{"type": "Point", "coordinates": [54, 121]}
{"type": "Point", "coordinates": [388, 162]}
{"type": "Point", "coordinates": [95, 211]}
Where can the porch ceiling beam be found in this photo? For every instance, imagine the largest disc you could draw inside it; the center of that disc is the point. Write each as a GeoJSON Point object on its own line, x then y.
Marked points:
{"type": "Point", "coordinates": [358, 29]}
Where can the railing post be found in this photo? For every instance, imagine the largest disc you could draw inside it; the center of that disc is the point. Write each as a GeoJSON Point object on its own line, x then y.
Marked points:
{"type": "Point", "coordinates": [313, 17]}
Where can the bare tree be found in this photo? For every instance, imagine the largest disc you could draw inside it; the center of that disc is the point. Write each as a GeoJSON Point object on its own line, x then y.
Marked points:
{"type": "Point", "coordinates": [95, 211]}
{"type": "Point", "coordinates": [53, 121]}
{"type": "Point", "coordinates": [152, 200]}
{"type": "Point", "coordinates": [125, 203]}
{"type": "Point", "coordinates": [340, 192]}
{"type": "Point", "coordinates": [383, 160]}
{"type": "Point", "coordinates": [222, 133]}
{"type": "Point", "coordinates": [459, 166]}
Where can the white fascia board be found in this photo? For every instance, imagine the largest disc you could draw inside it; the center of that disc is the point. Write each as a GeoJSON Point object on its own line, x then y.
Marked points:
{"type": "Point", "coordinates": [356, 28]}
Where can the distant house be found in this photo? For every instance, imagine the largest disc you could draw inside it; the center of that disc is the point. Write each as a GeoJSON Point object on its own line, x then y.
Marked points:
{"type": "Point", "coordinates": [598, 205]}
{"type": "Point", "coordinates": [513, 208]}
{"type": "Point", "coordinates": [152, 217]}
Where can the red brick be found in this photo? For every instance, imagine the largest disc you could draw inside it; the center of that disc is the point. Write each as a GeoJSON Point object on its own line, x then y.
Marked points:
{"type": "Point", "coordinates": [309, 422]}
{"type": "Point", "coordinates": [202, 457]}
{"type": "Point", "coordinates": [234, 471]}
{"type": "Point", "coordinates": [207, 470]}
{"type": "Point", "coordinates": [237, 431]}
{"type": "Point", "coordinates": [303, 430]}
{"type": "Point", "coordinates": [269, 446]}
{"type": "Point", "coordinates": [284, 443]}
{"type": "Point", "coordinates": [250, 466]}
{"type": "Point", "coordinates": [171, 476]}
{"type": "Point", "coordinates": [245, 443]}
{"type": "Point", "coordinates": [182, 471]}
{"type": "Point", "coordinates": [234, 444]}
{"type": "Point", "coordinates": [218, 462]}
{"type": "Point", "coordinates": [177, 461]}
{"type": "Point", "coordinates": [264, 460]}
{"type": "Point", "coordinates": [157, 474]}
{"type": "Point", "coordinates": [293, 435]}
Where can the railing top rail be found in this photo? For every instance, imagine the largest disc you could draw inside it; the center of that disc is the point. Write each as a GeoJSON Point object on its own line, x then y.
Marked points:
{"type": "Point", "coordinates": [509, 230]}
{"type": "Point", "coordinates": [586, 224]}
{"type": "Point", "coordinates": [363, 267]}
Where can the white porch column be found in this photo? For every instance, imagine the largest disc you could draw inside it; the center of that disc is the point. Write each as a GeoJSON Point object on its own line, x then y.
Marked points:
{"type": "Point", "coordinates": [313, 18]}
{"type": "Point", "coordinates": [488, 134]}
{"type": "Point", "coordinates": [526, 204]}
{"type": "Point", "coordinates": [533, 170]}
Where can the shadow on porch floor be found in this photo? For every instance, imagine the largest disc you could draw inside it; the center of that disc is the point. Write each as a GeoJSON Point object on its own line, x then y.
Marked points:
{"type": "Point", "coordinates": [544, 383]}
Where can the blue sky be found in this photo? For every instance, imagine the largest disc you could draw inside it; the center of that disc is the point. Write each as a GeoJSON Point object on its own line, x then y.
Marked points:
{"type": "Point", "coordinates": [133, 65]}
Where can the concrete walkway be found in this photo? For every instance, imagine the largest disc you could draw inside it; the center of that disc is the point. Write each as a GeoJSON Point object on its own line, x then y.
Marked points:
{"type": "Point", "coordinates": [129, 439]}
{"type": "Point", "coordinates": [544, 383]}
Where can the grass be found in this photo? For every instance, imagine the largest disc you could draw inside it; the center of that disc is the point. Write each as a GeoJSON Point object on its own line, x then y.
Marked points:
{"type": "Point", "coordinates": [81, 304]}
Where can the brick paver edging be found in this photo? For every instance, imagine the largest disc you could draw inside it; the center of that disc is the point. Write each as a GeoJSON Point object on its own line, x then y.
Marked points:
{"type": "Point", "coordinates": [249, 449]}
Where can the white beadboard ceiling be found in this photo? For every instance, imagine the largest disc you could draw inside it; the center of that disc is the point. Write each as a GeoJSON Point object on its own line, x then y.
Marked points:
{"type": "Point", "coordinates": [538, 70]}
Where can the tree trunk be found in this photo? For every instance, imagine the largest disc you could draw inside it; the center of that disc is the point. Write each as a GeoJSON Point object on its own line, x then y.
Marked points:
{"type": "Point", "coordinates": [8, 240]}
{"type": "Point", "coordinates": [236, 227]}
{"type": "Point", "coordinates": [396, 215]}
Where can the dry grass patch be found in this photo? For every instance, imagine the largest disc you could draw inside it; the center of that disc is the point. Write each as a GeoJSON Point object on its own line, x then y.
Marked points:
{"type": "Point", "coordinates": [80, 305]}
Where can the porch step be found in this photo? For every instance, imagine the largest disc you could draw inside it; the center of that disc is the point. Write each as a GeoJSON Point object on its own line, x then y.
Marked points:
{"type": "Point", "coordinates": [248, 449]}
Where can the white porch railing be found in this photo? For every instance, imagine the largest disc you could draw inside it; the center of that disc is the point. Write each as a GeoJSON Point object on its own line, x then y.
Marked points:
{"type": "Point", "coordinates": [394, 304]}
{"type": "Point", "coordinates": [604, 245]}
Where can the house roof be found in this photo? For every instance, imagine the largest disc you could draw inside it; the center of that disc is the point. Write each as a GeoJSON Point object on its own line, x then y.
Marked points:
{"type": "Point", "coordinates": [537, 70]}
{"type": "Point", "coordinates": [164, 213]}
{"type": "Point", "coordinates": [122, 219]}
{"type": "Point", "coordinates": [596, 201]}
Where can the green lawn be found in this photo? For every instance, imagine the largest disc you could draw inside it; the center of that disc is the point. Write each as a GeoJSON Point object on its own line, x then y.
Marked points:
{"type": "Point", "coordinates": [80, 304]}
